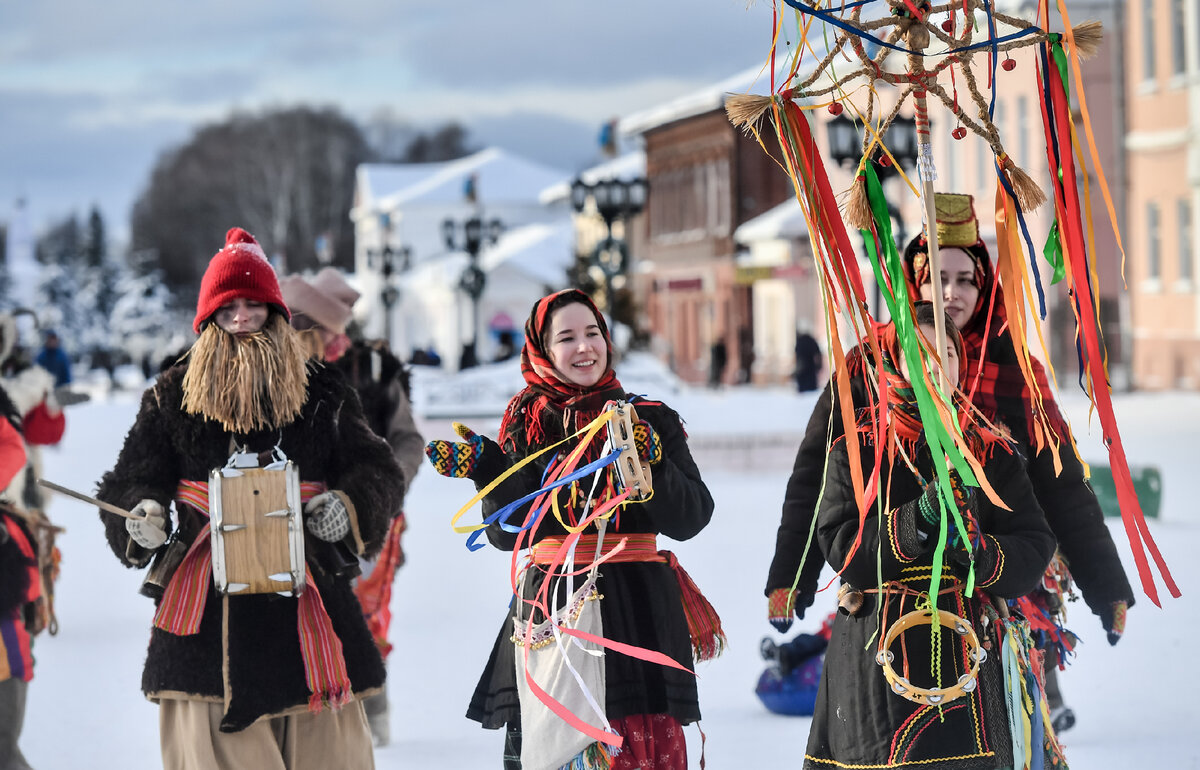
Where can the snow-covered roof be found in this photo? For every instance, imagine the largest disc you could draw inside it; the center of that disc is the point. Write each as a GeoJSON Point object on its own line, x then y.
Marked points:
{"type": "Point", "coordinates": [631, 165]}
{"type": "Point", "coordinates": [785, 221]}
{"type": "Point", "coordinates": [755, 80]}
{"type": "Point", "coordinates": [500, 177]}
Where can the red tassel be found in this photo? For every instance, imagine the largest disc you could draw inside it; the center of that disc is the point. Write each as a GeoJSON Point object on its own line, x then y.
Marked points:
{"type": "Point", "coordinates": [704, 625]}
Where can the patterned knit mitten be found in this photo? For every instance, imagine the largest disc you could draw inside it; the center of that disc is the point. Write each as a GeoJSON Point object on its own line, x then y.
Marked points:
{"type": "Point", "coordinates": [456, 459]}
{"type": "Point", "coordinates": [1113, 620]}
{"type": "Point", "coordinates": [781, 604]}
{"type": "Point", "coordinates": [647, 441]}
{"type": "Point", "coordinates": [930, 513]}
{"type": "Point", "coordinates": [325, 516]}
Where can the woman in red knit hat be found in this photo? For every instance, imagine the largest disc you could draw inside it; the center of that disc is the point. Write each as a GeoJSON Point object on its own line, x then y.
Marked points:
{"type": "Point", "coordinates": [260, 680]}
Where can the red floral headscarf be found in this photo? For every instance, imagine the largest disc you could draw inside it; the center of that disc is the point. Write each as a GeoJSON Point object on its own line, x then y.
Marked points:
{"type": "Point", "coordinates": [550, 408]}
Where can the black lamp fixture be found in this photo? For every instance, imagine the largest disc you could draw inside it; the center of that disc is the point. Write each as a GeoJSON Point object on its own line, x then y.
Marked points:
{"type": "Point", "coordinates": [387, 261]}
{"type": "Point", "coordinates": [476, 233]}
{"type": "Point", "coordinates": [845, 144]}
{"type": "Point", "coordinates": [614, 199]}
{"type": "Point", "coordinates": [845, 148]}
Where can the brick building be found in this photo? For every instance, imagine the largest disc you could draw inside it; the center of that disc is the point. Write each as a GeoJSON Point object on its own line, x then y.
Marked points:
{"type": "Point", "coordinates": [1162, 82]}
{"type": "Point", "coordinates": [706, 179]}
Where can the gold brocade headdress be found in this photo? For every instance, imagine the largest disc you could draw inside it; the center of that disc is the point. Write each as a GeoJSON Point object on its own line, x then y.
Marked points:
{"type": "Point", "coordinates": [957, 227]}
{"type": "Point", "coordinates": [956, 221]}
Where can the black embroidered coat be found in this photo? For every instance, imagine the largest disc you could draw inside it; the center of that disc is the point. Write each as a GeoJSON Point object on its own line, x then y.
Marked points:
{"type": "Point", "coordinates": [258, 656]}
{"type": "Point", "coordinates": [1071, 508]}
{"type": "Point", "coordinates": [859, 722]}
{"type": "Point", "coordinates": [641, 604]}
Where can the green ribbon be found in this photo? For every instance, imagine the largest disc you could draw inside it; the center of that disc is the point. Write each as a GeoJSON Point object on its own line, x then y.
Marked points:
{"type": "Point", "coordinates": [1053, 253]}
{"type": "Point", "coordinates": [937, 435]}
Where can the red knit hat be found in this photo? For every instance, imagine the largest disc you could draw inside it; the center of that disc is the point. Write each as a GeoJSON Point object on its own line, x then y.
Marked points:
{"type": "Point", "coordinates": [241, 270]}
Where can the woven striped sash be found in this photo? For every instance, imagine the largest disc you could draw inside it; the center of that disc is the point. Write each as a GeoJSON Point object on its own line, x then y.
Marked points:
{"type": "Point", "coordinates": [704, 625]}
{"type": "Point", "coordinates": [182, 607]}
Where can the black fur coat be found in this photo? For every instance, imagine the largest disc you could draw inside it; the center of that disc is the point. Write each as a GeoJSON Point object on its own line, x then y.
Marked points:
{"type": "Point", "coordinates": [256, 666]}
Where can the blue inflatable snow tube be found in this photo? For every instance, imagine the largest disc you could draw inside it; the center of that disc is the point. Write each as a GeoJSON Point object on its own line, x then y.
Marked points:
{"type": "Point", "coordinates": [793, 693]}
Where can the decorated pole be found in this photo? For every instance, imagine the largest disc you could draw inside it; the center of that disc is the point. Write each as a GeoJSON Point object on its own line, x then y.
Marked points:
{"type": "Point", "coordinates": [908, 28]}
{"type": "Point", "coordinates": [917, 37]}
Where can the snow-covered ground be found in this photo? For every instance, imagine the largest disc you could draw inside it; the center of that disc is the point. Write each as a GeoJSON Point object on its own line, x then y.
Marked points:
{"type": "Point", "coordinates": [1136, 703]}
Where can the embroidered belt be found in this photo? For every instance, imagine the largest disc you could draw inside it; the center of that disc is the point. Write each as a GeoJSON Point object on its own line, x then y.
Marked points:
{"type": "Point", "coordinates": [704, 625]}
{"type": "Point", "coordinates": [182, 606]}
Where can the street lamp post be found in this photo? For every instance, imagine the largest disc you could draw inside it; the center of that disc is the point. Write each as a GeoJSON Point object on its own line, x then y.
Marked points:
{"type": "Point", "coordinates": [386, 260]}
{"type": "Point", "coordinates": [475, 234]}
{"type": "Point", "coordinates": [845, 147]}
{"type": "Point", "coordinates": [615, 199]}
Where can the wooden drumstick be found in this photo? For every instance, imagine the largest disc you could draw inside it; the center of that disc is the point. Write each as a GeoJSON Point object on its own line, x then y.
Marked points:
{"type": "Point", "coordinates": [80, 496]}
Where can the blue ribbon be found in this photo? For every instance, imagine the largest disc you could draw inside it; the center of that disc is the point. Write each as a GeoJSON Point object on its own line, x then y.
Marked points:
{"type": "Point", "coordinates": [838, 22]}
{"type": "Point", "coordinates": [501, 516]}
{"type": "Point", "coordinates": [1037, 279]}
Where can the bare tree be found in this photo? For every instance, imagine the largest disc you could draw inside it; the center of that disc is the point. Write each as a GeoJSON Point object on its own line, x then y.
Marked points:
{"type": "Point", "coordinates": [286, 175]}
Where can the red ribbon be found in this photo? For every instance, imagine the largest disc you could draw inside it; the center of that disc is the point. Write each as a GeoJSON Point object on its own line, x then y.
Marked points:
{"type": "Point", "coordinates": [1066, 201]}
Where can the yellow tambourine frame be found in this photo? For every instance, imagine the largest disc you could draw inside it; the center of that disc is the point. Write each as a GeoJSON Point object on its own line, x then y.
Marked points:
{"type": "Point", "coordinates": [939, 696]}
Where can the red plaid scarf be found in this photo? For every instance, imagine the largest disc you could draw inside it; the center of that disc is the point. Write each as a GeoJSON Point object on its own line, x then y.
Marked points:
{"type": "Point", "coordinates": [182, 607]}
{"type": "Point", "coordinates": [549, 409]}
{"type": "Point", "coordinates": [997, 387]}
{"type": "Point", "coordinates": [904, 418]}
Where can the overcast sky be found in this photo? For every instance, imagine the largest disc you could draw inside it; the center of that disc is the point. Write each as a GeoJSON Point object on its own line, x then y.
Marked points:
{"type": "Point", "coordinates": [91, 93]}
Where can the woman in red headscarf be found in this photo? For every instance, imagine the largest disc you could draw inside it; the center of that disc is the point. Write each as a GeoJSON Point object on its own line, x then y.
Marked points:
{"type": "Point", "coordinates": [567, 365]}
{"type": "Point", "coordinates": [995, 383]}
{"type": "Point", "coordinates": [996, 386]}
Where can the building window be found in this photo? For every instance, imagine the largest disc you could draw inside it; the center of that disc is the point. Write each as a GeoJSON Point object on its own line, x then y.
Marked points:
{"type": "Point", "coordinates": [1148, 47]}
{"type": "Point", "coordinates": [1185, 241]}
{"type": "Point", "coordinates": [1023, 131]}
{"type": "Point", "coordinates": [981, 159]}
{"type": "Point", "coordinates": [692, 200]}
{"type": "Point", "coordinates": [1153, 243]}
{"type": "Point", "coordinates": [1178, 45]}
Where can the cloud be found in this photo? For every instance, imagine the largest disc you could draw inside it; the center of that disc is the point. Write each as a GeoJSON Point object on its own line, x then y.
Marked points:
{"type": "Point", "coordinates": [587, 44]}
{"type": "Point", "coordinates": [93, 92]}
{"type": "Point", "coordinates": [62, 165]}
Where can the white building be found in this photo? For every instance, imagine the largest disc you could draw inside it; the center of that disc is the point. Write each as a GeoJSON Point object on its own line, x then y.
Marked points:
{"type": "Point", "coordinates": [776, 257]}
{"type": "Point", "coordinates": [404, 206]}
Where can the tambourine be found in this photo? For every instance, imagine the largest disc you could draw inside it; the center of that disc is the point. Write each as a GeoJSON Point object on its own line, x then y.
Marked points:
{"type": "Point", "coordinates": [932, 697]}
{"type": "Point", "coordinates": [634, 475]}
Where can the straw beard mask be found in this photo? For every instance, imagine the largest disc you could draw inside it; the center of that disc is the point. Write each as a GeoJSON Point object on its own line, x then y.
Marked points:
{"type": "Point", "coordinates": [247, 383]}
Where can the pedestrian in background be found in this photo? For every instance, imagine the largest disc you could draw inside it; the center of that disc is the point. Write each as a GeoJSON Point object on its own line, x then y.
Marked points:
{"type": "Point", "coordinates": [322, 310]}
{"type": "Point", "coordinates": [54, 359]}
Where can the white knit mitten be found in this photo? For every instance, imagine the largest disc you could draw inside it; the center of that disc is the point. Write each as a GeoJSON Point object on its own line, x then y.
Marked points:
{"type": "Point", "coordinates": [326, 517]}
{"type": "Point", "coordinates": [149, 530]}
